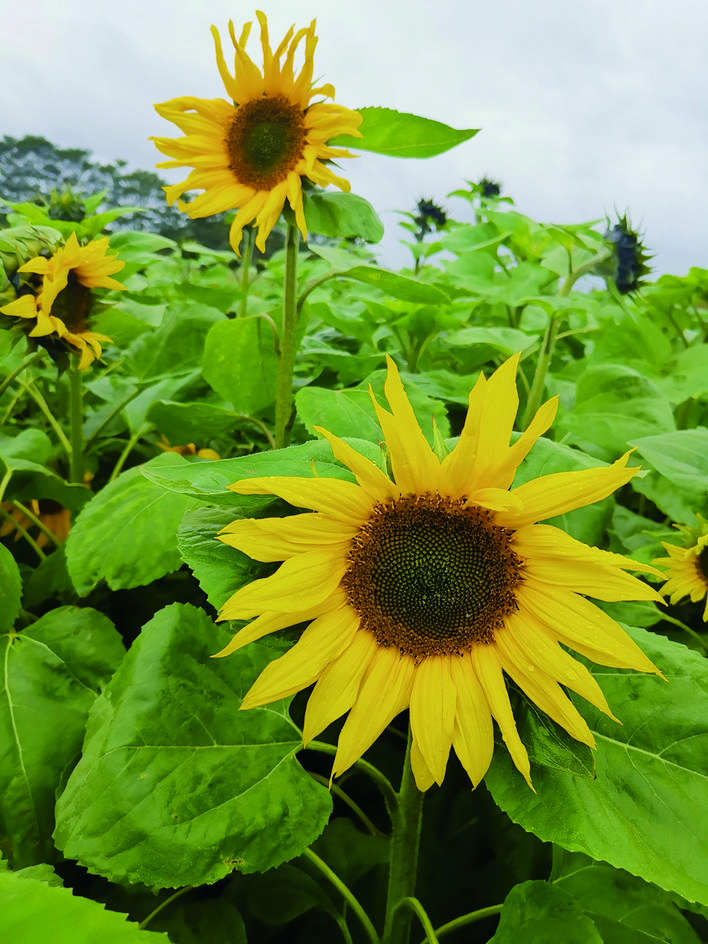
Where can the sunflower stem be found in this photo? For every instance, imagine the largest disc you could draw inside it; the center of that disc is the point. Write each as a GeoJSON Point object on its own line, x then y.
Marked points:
{"type": "Point", "coordinates": [249, 239]}
{"type": "Point", "coordinates": [30, 387]}
{"type": "Point", "coordinates": [23, 531]}
{"type": "Point", "coordinates": [28, 513]}
{"type": "Point", "coordinates": [469, 918]}
{"type": "Point", "coordinates": [76, 421]}
{"type": "Point", "coordinates": [345, 892]}
{"type": "Point", "coordinates": [288, 341]}
{"type": "Point", "coordinates": [403, 859]}
{"type": "Point", "coordinates": [16, 373]}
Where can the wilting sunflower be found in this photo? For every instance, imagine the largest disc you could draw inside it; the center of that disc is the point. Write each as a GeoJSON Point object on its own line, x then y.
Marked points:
{"type": "Point", "coordinates": [59, 301]}
{"type": "Point", "coordinates": [687, 566]}
{"type": "Point", "coordinates": [252, 153]}
{"type": "Point", "coordinates": [425, 588]}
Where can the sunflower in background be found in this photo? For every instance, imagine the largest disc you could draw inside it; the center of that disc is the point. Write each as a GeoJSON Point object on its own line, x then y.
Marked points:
{"type": "Point", "coordinates": [188, 449]}
{"type": "Point", "coordinates": [687, 566]}
{"type": "Point", "coordinates": [424, 587]}
{"type": "Point", "coordinates": [56, 303]}
{"type": "Point", "coordinates": [252, 153]}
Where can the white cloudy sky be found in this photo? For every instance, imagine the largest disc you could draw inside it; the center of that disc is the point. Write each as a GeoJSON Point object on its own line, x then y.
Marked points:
{"type": "Point", "coordinates": [584, 106]}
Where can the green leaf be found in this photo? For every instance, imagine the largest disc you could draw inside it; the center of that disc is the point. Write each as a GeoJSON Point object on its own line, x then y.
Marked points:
{"type": "Point", "coordinates": [176, 346]}
{"type": "Point", "coordinates": [537, 913]}
{"type": "Point", "coordinates": [193, 422]}
{"type": "Point", "coordinates": [240, 363]}
{"type": "Point", "coordinates": [398, 286]}
{"type": "Point", "coordinates": [625, 909]}
{"type": "Point", "coordinates": [34, 913]}
{"type": "Point", "coordinates": [400, 134]}
{"type": "Point", "coordinates": [681, 457]}
{"type": "Point", "coordinates": [176, 786]}
{"type": "Point", "coordinates": [208, 481]}
{"type": "Point", "coordinates": [10, 589]}
{"type": "Point", "coordinates": [212, 921]}
{"type": "Point", "coordinates": [614, 404]}
{"type": "Point", "coordinates": [341, 215]}
{"type": "Point", "coordinates": [52, 674]}
{"type": "Point", "coordinates": [220, 569]}
{"type": "Point", "coordinates": [647, 811]}
{"type": "Point", "coordinates": [127, 534]}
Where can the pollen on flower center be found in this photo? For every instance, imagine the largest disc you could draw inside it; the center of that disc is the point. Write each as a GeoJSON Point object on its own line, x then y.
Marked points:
{"type": "Point", "coordinates": [431, 576]}
{"type": "Point", "coordinates": [265, 141]}
{"type": "Point", "coordinates": [72, 304]}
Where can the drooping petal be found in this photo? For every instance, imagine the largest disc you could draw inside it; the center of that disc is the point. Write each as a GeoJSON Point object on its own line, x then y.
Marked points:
{"type": "Point", "coordinates": [277, 539]}
{"type": "Point", "coordinates": [377, 485]}
{"type": "Point", "coordinates": [432, 707]}
{"type": "Point", "coordinates": [271, 621]}
{"type": "Point", "coordinates": [324, 639]}
{"type": "Point", "coordinates": [421, 772]}
{"type": "Point", "coordinates": [338, 685]}
{"type": "Point", "coordinates": [384, 693]}
{"type": "Point", "coordinates": [473, 738]}
{"type": "Point", "coordinates": [487, 667]}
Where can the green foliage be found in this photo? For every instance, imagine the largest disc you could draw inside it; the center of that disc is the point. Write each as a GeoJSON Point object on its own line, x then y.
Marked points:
{"type": "Point", "coordinates": [175, 786]}
{"type": "Point", "coordinates": [399, 134]}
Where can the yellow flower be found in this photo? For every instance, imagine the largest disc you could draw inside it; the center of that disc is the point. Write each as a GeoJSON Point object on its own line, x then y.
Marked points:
{"type": "Point", "coordinates": [60, 302]}
{"type": "Point", "coordinates": [687, 567]}
{"type": "Point", "coordinates": [252, 153]}
{"type": "Point", "coordinates": [189, 449]}
{"type": "Point", "coordinates": [425, 588]}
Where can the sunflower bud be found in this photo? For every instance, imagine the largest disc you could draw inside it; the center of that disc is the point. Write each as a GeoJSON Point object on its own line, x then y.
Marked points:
{"type": "Point", "coordinates": [430, 217]}
{"type": "Point", "coordinates": [627, 264]}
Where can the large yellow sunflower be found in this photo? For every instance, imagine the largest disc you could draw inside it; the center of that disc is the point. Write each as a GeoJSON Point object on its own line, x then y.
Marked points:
{"type": "Point", "coordinates": [60, 302]}
{"type": "Point", "coordinates": [425, 588]}
{"type": "Point", "coordinates": [687, 566]}
{"type": "Point", "coordinates": [252, 153]}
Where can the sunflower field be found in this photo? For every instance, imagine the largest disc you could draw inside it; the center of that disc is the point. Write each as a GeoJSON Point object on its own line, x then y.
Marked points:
{"type": "Point", "coordinates": [337, 602]}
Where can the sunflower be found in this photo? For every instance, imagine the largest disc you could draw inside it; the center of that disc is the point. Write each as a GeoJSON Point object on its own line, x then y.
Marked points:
{"type": "Point", "coordinates": [253, 153]}
{"type": "Point", "coordinates": [189, 449]}
{"type": "Point", "coordinates": [687, 566]}
{"type": "Point", "coordinates": [60, 300]}
{"type": "Point", "coordinates": [425, 587]}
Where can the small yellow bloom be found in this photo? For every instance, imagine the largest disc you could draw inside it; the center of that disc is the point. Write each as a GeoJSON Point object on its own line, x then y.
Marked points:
{"type": "Point", "coordinates": [189, 449]}
{"type": "Point", "coordinates": [252, 153]}
{"type": "Point", "coordinates": [60, 302]}
{"type": "Point", "coordinates": [687, 566]}
{"type": "Point", "coordinates": [424, 588]}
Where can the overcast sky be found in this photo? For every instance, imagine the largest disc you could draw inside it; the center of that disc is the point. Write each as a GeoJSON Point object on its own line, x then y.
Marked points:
{"type": "Point", "coordinates": [584, 107]}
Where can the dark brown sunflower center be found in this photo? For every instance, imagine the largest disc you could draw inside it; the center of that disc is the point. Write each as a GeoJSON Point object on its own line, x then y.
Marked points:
{"type": "Point", "coordinates": [72, 305]}
{"type": "Point", "coordinates": [430, 576]}
{"type": "Point", "coordinates": [265, 141]}
{"type": "Point", "coordinates": [702, 563]}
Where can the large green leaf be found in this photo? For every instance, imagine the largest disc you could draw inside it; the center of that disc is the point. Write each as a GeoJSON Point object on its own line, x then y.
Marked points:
{"type": "Point", "coordinates": [34, 912]}
{"type": "Point", "coordinates": [127, 534]}
{"type": "Point", "coordinates": [537, 913]}
{"type": "Point", "coordinates": [10, 589]}
{"type": "Point", "coordinates": [625, 909]}
{"type": "Point", "coordinates": [240, 363]}
{"type": "Point", "coordinates": [192, 422]}
{"type": "Point", "coordinates": [647, 811]}
{"type": "Point", "coordinates": [342, 215]}
{"type": "Point", "coordinates": [681, 458]}
{"type": "Point", "coordinates": [400, 134]}
{"type": "Point", "coordinates": [176, 346]}
{"type": "Point", "coordinates": [176, 786]}
{"type": "Point", "coordinates": [52, 674]}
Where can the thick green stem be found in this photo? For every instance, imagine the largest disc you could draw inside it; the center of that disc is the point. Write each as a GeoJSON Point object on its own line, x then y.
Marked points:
{"type": "Point", "coordinates": [466, 919]}
{"type": "Point", "coordinates": [288, 341]}
{"type": "Point", "coordinates": [249, 238]}
{"type": "Point", "coordinates": [76, 420]}
{"type": "Point", "coordinates": [403, 859]}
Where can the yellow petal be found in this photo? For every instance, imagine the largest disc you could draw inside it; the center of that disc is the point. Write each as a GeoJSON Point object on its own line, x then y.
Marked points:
{"type": "Point", "coordinates": [580, 624]}
{"type": "Point", "coordinates": [277, 539]}
{"type": "Point", "coordinates": [341, 500]}
{"type": "Point", "coordinates": [377, 485]}
{"type": "Point", "coordinates": [561, 492]}
{"type": "Point", "coordinates": [473, 738]}
{"type": "Point", "coordinates": [487, 667]}
{"type": "Point", "coordinates": [271, 622]}
{"type": "Point", "coordinates": [415, 467]}
{"type": "Point", "coordinates": [299, 583]}
{"type": "Point", "coordinates": [338, 686]}
{"type": "Point", "coordinates": [324, 639]}
{"type": "Point", "coordinates": [432, 719]}
{"type": "Point", "coordinates": [421, 772]}
{"type": "Point", "coordinates": [384, 693]}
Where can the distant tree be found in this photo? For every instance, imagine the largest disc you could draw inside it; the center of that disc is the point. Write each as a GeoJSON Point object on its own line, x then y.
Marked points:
{"type": "Point", "coordinates": [33, 170]}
